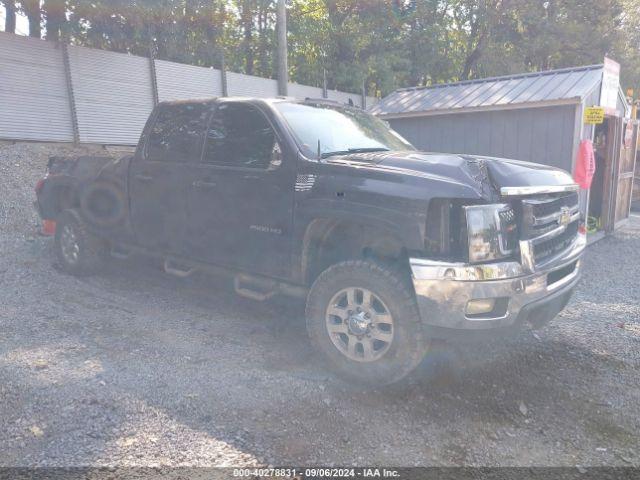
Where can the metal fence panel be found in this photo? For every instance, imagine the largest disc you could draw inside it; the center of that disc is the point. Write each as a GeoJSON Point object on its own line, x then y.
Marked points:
{"type": "Point", "coordinates": [33, 96]}
{"type": "Point", "coordinates": [343, 97]}
{"type": "Point", "coordinates": [240, 85]}
{"type": "Point", "coordinates": [112, 93]}
{"type": "Point", "coordinates": [178, 81]}
{"type": "Point", "coordinates": [303, 91]}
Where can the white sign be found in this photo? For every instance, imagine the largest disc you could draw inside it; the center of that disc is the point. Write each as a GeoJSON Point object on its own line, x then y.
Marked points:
{"type": "Point", "coordinates": [610, 84]}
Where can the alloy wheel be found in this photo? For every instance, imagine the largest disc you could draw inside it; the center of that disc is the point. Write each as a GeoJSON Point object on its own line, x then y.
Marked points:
{"type": "Point", "coordinates": [359, 324]}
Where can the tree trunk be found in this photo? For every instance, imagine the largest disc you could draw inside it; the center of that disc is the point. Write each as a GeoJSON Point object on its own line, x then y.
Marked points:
{"type": "Point", "coordinates": [32, 9]}
{"type": "Point", "coordinates": [283, 69]}
{"type": "Point", "coordinates": [472, 60]}
{"type": "Point", "coordinates": [10, 16]}
{"type": "Point", "coordinates": [54, 11]}
{"type": "Point", "coordinates": [263, 45]}
{"type": "Point", "coordinates": [247, 25]}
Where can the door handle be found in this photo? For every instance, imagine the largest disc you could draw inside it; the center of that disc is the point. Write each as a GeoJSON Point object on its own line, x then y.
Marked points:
{"type": "Point", "coordinates": [201, 184]}
{"type": "Point", "coordinates": [143, 178]}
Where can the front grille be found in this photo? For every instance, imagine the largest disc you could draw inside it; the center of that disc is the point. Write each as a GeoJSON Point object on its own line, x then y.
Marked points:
{"type": "Point", "coordinates": [556, 244]}
{"type": "Point", "coordinates": [543, 208]}
{"type": "Point", "coordinates": [542, 215]}
{"type": "Point", "coordinates": [550, 223]}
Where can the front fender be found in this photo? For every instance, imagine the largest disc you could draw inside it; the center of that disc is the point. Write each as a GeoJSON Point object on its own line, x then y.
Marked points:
{"type": "Point", "coordinates": [318, 217]}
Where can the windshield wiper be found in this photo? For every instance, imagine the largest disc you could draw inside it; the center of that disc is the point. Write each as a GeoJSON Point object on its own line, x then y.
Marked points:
{"type": "Point", "coordinates": [354, 150]}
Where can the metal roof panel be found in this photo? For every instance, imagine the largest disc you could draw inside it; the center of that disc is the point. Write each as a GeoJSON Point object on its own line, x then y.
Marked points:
{"type": "Point", "coordinates": [554, 85]}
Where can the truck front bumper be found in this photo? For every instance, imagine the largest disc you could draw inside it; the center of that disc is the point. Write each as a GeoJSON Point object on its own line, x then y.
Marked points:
{"type": "Point", "coordinates": [520, 294]}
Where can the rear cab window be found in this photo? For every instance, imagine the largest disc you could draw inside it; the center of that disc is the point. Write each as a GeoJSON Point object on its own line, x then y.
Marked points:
{"type": "Point", "coordinates": [177, 133]}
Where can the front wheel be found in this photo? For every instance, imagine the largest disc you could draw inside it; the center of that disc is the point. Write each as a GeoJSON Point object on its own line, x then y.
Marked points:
{"type": "Point", "coordinates": [363, 317]}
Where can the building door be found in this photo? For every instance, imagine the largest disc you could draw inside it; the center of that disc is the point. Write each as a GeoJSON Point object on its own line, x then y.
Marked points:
{"type": "Point", "coordinates": [624, 167]}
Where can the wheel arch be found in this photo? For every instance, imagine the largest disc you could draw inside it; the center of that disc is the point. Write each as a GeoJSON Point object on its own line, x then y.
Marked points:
{"type": "Point", "coordinates": [58, 197]}
{"type": "Point", "coordinates": [331, 240]}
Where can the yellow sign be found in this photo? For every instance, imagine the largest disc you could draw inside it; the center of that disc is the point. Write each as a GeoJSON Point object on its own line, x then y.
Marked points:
{"type": "Point", "coordinates": [594, 115]}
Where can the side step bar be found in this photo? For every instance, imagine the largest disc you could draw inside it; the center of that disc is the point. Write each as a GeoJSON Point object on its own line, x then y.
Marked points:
{"type": "Point", "coordinates": [173, 269]}
{"type": "Point", "coordinates": [255, 287]}
{"type": "Point", "coordinates": [261, 288]}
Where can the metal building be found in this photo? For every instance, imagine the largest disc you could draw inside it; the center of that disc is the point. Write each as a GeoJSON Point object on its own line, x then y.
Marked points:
{"type": "Point", "coordinates": [537, 117]}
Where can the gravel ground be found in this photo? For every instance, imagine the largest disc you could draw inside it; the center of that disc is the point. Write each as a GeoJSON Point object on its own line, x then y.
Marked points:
{"type": "Point", "coordinates": [133, 367]}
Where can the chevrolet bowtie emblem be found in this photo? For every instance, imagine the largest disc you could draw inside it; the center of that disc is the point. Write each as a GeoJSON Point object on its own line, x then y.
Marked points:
{"type": "Point", "coordinates": [565, 216]}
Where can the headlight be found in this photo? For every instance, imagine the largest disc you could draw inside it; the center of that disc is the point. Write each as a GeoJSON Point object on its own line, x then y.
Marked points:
{"type": "Point", "coordinates": [491, 231]}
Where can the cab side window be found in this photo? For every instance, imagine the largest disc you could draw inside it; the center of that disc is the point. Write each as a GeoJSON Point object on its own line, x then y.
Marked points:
{"type": "Point", "coordinates": [177, 133]}
{"type": "Point", "coordinates": [239, 135]}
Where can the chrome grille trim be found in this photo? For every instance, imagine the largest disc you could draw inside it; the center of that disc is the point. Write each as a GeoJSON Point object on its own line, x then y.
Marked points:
{"type": "Point", "coordinates": [548, 224]}
{"type": "Point", "coordinates": [559, 230]}
{"type": "Point", "coordinates": [556, 216]}
{"type": "Point", "coordinates": [537, 190]}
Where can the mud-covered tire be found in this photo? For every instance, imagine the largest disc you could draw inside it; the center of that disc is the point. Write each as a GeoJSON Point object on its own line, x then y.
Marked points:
{"type": "Point", "coordinates": [103, 204]}
{"type": "Point", "coordinates": [408, 345]}
{"type": "Point", "coordinates": [91, 251]}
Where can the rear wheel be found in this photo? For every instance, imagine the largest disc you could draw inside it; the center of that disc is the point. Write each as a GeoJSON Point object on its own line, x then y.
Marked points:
{"type": "Point", "coordinates": [78, 251]}
{"type": "Point", "coordinates": [364, 319]}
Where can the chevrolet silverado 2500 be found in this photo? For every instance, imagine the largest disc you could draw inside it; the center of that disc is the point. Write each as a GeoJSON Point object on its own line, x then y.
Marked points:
{"type": "Point", "coordinates": [391, 247]}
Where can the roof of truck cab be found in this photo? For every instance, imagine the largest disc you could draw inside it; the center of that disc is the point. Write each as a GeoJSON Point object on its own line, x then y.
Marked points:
{"type": "Point", "coordinates": [187, 101]}
{"type": "Point", "coordinates": [268, 101]}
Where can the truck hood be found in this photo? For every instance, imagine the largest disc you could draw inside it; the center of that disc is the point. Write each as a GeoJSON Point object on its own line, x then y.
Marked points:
{"type": "Point", "coordinates": [486, 175]}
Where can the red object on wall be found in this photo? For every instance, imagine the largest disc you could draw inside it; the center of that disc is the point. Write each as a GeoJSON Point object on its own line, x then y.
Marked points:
{"type": "Point", "coordinates": [585, 164]}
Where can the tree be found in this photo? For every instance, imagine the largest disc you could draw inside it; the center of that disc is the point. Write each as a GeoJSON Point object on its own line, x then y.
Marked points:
{"type": "Point", "coordinates": [627, 49]}
{"type": "Point", "coordinates": [32, 9]}
{"type": "Point", "coordinates": [10, 16]}
{"type": "Point", "coordinates": [384, 43]}
{"type": "Point", "coordinates": [55, 18]}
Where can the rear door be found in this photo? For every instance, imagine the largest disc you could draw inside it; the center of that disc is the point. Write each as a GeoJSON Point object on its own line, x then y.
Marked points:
{"type": "Point", "coordinates": [239, 207]}
{"type": "Point", "coordinates": [158, 176]}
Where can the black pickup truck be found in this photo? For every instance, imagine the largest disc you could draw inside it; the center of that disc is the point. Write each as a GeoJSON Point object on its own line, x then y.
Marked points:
{"type": "Point", "coordinates": [392, 248]}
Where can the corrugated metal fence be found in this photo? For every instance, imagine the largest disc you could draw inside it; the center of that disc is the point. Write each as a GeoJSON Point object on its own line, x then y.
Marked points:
{"type": "Point", "coordinates": [96, 96]}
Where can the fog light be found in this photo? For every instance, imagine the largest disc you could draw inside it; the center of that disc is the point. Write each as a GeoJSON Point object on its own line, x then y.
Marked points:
{"type": "Point", "coordinates": [481, 305]}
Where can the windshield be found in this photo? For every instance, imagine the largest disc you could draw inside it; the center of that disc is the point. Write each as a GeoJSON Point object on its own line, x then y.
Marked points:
{"type": "Point", "coordinates": [339, 130]}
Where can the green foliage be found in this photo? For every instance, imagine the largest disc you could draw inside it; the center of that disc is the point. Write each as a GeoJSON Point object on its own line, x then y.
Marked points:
{"type": "Point", "coordinates": [383, 44]}
{"type": "Point", "coordinates": [627, 49]}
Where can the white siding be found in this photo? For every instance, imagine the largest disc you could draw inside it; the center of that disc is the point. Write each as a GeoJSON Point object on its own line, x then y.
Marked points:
{"type": "Point", "coordinates": [240, 85]}
{"type": "Point", "coordinates": [179, 82]}
{"type": "Point", "coordinates": [303, 91]}
{"type": "Point", "coordinates": [343, 97]}
{"type": "Point", "coordinates": [33, 96]}
{"type": "Point", "coordinates": [112, 94]}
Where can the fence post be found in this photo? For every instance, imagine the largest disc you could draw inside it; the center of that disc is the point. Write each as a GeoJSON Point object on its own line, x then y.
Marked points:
{"type": "Point", "coordinates": [70, 95]}
{"type": "Point", "coordinates": [325, 94]}
{"type": "Point", "coordinates": [363, 94]}
{"type": "Point", "coordinates": [154, 76]}
{"type": "Point", "coordinates": [223, 75]}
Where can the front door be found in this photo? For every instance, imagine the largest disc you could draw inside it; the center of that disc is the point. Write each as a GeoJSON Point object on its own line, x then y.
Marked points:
{"type": "Point", "coordinates": [240, 201]}
{"type": "Point", "coordinates": [158, 176]}
{"type": "Point", "coordinates": [625, 171]}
